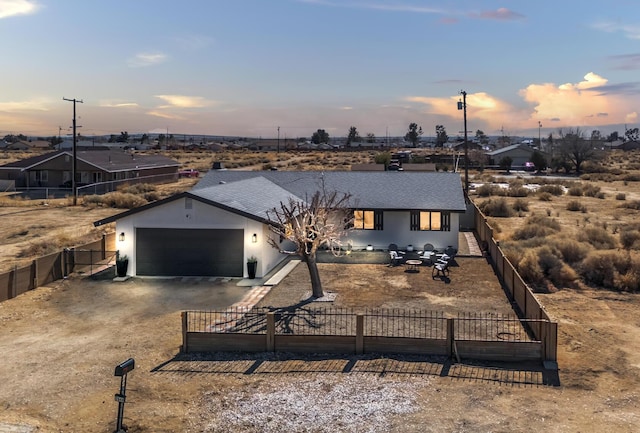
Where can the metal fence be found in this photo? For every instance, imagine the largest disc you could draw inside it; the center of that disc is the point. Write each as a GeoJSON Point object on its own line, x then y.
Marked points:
{"type": "Point", "coordinates": [335, 321]}
{"type": "Point", "coordinates": [344, 330]}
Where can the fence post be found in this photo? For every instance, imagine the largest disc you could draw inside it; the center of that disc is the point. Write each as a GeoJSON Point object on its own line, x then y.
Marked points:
{"type": "Point", "coordinates": [271, 332]}
{"type": "Point", "coordinates": [185, 344]}
{"type": "Point", "coordinates": [103, 246]}
{"type": "Point", "coordinates": [13, 282]}
{"type": "Point", "coordinates": [34, 273]}
{"type": "Point", "coordinates": [450, 328]}
{"type": "Point", "coordinates": [550, 341]}
{"type": "Point", "coordinates": [359, 334]}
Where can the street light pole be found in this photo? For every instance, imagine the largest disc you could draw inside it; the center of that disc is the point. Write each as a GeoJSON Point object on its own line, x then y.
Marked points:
{"type": "Point", "coordinates": [463, 106]}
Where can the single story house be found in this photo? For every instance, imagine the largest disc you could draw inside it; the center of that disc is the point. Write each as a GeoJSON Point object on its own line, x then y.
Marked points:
{"type": "Point", "coordinates": [519, 154]}
{"type": "Point", "coordinates": [53, 170]}
{"type": "Point", "coordinates": [213, 229]}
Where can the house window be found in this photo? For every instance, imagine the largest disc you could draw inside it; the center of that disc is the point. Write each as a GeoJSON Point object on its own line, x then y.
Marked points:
{"type": "Point", "coordinates": [97, 176]}
{"type": "Point", "coordinates": [430, 221]}
{"type": "Point", "coordinates": [44, 176]}
{"type": "Point", "coordinates": [367, 220]}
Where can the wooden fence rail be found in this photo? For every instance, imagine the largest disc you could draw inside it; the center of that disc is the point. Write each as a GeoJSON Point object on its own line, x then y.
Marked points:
{"type": "Point", "coordinates": [52, 267]}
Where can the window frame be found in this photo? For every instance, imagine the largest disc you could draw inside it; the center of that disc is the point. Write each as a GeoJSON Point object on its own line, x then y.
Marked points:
{"type": "Point", "coordinates": [376, 216]}
{"type": "Point", "coordinates": [416, 222]}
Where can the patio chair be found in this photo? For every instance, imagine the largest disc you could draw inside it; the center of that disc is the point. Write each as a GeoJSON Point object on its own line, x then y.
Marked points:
{"type": "Point", "coordinates": [428, 254]}
{"type": "Point", "coordinates": [395, 258]}
{"type": "Point", "coordinates": [441, 267]}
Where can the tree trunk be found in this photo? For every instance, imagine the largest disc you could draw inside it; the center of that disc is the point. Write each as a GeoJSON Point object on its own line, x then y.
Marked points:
{"type": "Point", "coordinates": [316, 284]}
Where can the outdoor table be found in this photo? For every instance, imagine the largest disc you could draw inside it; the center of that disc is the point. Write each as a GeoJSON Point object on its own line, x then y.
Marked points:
{"type": "Point", "coordinates": [412, 265]}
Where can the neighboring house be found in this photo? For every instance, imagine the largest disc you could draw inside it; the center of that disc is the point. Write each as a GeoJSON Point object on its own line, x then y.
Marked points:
{"type": "Point", "coordinates": [213, 229]}
{"type": "Point", "coordinates": [630, 145]}
{"type": "Point", "coordinates": [519, 154]}
{"type": "Point", "coordinates": [54, 169]}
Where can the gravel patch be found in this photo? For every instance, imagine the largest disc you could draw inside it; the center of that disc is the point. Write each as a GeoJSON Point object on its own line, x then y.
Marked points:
{"type": "Point", "coordinates": [346, 403]}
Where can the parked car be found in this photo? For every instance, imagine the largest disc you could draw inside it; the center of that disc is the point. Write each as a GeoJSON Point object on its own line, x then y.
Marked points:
{"type": "Point", "coordinates": [529, 166]}
{"type": "Point", "coordinates": [189, 173]}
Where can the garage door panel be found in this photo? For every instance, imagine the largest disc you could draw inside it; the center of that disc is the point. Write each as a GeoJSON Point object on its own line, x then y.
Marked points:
{"type": "Point", "coordinates": [189, 252]}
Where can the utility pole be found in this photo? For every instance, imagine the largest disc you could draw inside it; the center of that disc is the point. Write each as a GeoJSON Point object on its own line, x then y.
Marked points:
{"type": "Point", "coordinates": [539, 135]}
{"type": "Point", "coordinates": [278, 140]}
{"type": "Point", "coordinates": [75, 154]}
{"type": "Point", "coordinates": [462, 105]}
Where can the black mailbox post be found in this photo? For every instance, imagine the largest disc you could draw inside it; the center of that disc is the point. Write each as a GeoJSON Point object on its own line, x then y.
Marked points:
{"type": "Point", "coordinates": [121, 371]}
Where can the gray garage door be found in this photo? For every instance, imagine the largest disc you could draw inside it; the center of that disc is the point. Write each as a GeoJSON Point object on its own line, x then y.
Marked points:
{"type": "Point", "coordinates": [189, 252]}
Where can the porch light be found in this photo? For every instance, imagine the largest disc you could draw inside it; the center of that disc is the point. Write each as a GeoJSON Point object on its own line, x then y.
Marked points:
{"type": "Point", "coordinates": [121, 237]}
{"type": "Point", "coordinates": [254, 238]}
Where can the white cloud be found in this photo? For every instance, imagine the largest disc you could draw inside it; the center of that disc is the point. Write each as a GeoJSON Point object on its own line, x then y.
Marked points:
{"type": "Point", "coordinates": [117, 104]}
{"type": "Point", "coordinates": [630, 31]}
{"type": "Point", "coordinates": [146, 59]}
{"type": "Point", "coordinates": [33, 105]}
{"type": "Point", "coordinates": [9, 8]}
{"type": "Point", "coordinates": [182, 101]}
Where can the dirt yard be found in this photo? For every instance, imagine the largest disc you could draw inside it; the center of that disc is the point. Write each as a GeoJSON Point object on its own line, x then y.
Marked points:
{"type": "Point", "coordinates": [60, 345]}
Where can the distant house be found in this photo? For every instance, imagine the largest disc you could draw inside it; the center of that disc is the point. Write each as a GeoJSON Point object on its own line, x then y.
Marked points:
{"type": "Point", "coordinates": [519, 154]}
{"type": "Point", "coordinates": [213, 229]}
{"type": "Point", "coordinates": [630, 145]}
{"type": "Point", "coordinates": [54, 169]}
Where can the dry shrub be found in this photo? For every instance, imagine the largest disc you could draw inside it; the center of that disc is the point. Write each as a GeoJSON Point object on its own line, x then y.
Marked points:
{"type": "Point", "coordinates": [496, 208]}
{"type": "Point", "coordinates": [598, 237]}
{"type": "Point", "coordinates": [575, 205]}
{"type": "Point", "coordinates": [575, 191]}
{"type": "Point", "coordinates": [612, 270]}
{"type": "Point", "coordinates": [571, 250]}
{"type": "Point", "coordinates": [117, 200]}
{"type": "Point", "coordinates": [529, 268]}
{"type": "Point", "coordinates": [487, 190]}
{"type": "Point", "coordinates": [552, 189]}
{"type": "Point", "coordinates": [632, 177]}
{"type": "Point", "coordinates": [590, 190]}
{"type": "Point", "coordinates": [634, 204]}
{"type": "Point", "coordinates": [520, 205]}
{"type": "Point", "coordinates": [136, 188]}
{"type": "Point", "coordinates": [564, 276]}
{"type": "Point", "coordinates": [630, 238]}
{"type": "Point", "coordinates": [621, 196]}
{"type": "Point", "coordinates": [537, 226]}
{"type": "Point", "coordinates": [518, 191]}
{"type": "Point", "coordinates": [544, 196]}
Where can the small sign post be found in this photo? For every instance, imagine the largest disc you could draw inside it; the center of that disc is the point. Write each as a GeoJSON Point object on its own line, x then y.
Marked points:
{"type": "Point", "coordinates": [121, 371]}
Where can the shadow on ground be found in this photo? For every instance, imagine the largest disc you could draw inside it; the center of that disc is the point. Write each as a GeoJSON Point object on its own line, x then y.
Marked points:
{"type": "Point", "coordinates": [399, 366]}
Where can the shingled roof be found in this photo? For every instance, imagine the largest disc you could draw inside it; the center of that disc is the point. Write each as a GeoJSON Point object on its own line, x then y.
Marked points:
{"type": "Point", "coordinates": [106, 160]}
{"type": "Point", "coordinates": [254, 193]}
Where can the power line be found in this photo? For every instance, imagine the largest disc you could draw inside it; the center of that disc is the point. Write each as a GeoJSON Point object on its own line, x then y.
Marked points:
{"type": "Point", "coordinates": [74, 187]}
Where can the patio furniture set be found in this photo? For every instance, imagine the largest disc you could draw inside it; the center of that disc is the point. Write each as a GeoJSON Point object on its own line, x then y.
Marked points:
{"type": "Point", "coordinates": [412, 260]}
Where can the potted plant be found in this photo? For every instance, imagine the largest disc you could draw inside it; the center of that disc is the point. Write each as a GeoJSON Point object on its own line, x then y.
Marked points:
{"type": "Point", "coordinates": [252, 264]}
{"type": "Point", "coordinates": [122, 263]}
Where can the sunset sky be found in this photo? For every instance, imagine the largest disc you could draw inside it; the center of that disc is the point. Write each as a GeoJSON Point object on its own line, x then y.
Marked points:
{"type": "Point", "coordinates": [247, 67]}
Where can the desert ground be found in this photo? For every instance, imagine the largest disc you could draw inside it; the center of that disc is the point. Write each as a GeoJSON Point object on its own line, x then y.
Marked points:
{"type": "Point", "coordinates": [60, 344]}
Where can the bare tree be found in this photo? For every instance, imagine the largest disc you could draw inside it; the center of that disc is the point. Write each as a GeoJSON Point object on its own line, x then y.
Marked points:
{"type": "Point", "coordinates": [311, 224]}
{"type": "Point", "coordinates": [574, 148]}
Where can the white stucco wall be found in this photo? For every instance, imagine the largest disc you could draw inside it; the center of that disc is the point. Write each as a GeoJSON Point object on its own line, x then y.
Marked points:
{"type": "Point", "coordinates": [397, 230]}
{"type": "Point", "coordinates": [174, 215]}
